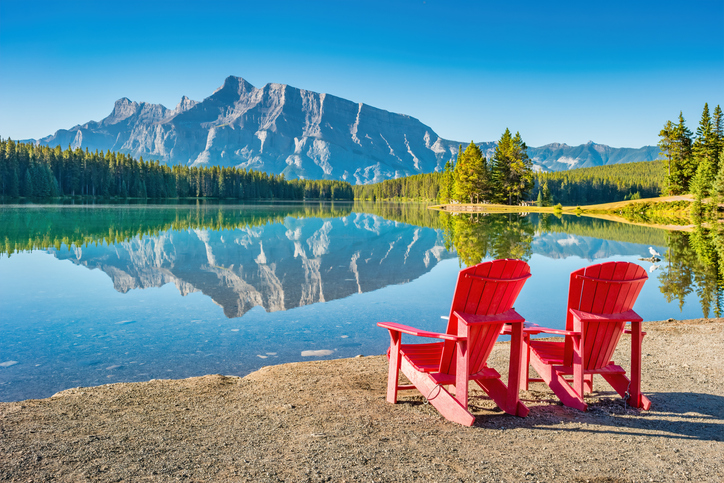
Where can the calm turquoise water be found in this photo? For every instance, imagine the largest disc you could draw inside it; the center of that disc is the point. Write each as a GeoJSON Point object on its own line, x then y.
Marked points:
{"type": "Point", "coordinates": [96, 295]}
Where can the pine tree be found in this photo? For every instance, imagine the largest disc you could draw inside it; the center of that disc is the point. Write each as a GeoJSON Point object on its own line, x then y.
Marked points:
{"type": "Point", "coordinates": [666, 147]}
{"type": "Point", "coordinates": [27, 187]}
{"type": "Point", "coordinates": [521, 170]}
{"type": "Point", "coordinates": [447, 180]}
{"type": "Point", "coordinates": [512, 171]}
{"type": "Point", "coordinates": [718, 127]}
{"type": "Point", "coordinates": [718, 186]}
{"type": "Point", "coordinates": [458, 162]}
{"type": "Point", "coordinates": [500, 170]}
{"type": "Point", "coordinates": [470, 174]}
{"type": "Point", "coordinates": [706, 145]}
{"type": "Point", "coordinates": [547, 198]}
{"type": "Point", "coordinates": [683, 166]}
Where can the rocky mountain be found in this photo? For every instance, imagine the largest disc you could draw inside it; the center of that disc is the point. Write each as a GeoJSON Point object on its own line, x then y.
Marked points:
{"type": "Point", "coordinates": [299, 133]}
{"type": "Point", "coordinates": [560, 157]}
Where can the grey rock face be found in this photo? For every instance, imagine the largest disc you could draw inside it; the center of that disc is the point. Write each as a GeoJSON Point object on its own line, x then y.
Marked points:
{"type": "Point", "coordinates": [277, 129]}
{"type": "Point", "coordinates": [302, 134]}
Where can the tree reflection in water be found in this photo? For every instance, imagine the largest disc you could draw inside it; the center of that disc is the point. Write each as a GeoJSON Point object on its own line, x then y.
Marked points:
{"type": "Point", "coordinates": [694, 263]}
{"type": "Point", "coordinates": [476, 236]}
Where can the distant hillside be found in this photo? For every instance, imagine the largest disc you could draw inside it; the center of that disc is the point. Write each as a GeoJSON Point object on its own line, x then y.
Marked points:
{"type": "Point", "coordinates": [561, 157]}
{"type": "Point", "coordinates": [281, 129]}
{"type": "Point", "coordinates": [603, 184]}
{"type": "Point", "coordinates": [581, 186]}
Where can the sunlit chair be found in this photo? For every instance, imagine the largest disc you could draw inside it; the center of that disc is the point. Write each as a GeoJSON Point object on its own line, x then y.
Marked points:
{"type": "Point", "coordinates": [600, 302]}
{"type": "Point", "coordinates": [482, 305]}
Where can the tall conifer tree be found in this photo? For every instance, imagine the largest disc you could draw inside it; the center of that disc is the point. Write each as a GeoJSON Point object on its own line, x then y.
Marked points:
{"type": "Point", "coordinates": [682, 166]}
{"type": "Point", "coordinates": [512, 170]}
{"type": "Point", "coordinates": [470, 175]}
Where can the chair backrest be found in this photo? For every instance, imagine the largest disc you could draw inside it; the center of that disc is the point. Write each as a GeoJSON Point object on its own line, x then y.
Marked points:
{"type": "Point", "coordinates": [488, 288]}
{"type": "Point", "coordinates": [605, 288]}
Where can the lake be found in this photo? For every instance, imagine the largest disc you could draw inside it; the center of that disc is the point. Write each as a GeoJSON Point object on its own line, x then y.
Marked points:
{"type": "Point", "coordinates": [93, 295]}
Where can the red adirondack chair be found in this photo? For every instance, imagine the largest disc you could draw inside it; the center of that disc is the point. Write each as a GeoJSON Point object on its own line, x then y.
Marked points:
{"type": "Point", "coordinates": [482, 304]}
{"type": "Point", "coordinates": [600, 302]}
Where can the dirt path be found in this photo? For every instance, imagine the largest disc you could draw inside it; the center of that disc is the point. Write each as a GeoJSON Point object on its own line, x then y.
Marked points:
{"type": "Point", "coordinates": [328, 421]}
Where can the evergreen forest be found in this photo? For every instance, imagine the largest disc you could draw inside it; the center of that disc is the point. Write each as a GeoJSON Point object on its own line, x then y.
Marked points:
{"type": "Point", "coordinates": [693, 160]}
{"type": "Point", "coordinates": [41, 172]}
{"type": "Point", "coordinates": [600, 184]}
{"type": "Point", "coordinates": [506, 178]}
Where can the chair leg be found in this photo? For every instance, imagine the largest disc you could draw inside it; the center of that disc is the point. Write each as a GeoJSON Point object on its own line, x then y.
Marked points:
{"type": "Point", "coordinates": [620, 383]}
{"type": "Point", "coordinates": [499, 393]}
{"type": "Point", "coordinates": [393, 372]}
{"type": "Point", "coordinates": [637, 399]}
{"type": "Point", "coordinates": [525, 366]}
{"type": "Point", "coordinates": [558, 384]}
{"type": "Point", "coordinates": [437, 396]}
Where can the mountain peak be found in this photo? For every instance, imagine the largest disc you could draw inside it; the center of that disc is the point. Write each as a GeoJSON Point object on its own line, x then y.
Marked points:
{"type": "Point", "coordinates": [185, 104]}
{"type": "Point", "coordinates": [235, 84]}
{"type": "Point", "coordinates": [122, 109]}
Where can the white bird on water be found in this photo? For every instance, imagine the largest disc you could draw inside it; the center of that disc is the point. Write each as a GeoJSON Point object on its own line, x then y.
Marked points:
{"type": "Point", "coordinates": [654, 253]}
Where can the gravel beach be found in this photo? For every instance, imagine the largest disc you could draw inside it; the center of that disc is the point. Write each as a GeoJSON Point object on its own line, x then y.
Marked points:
{"type": "Point", "coordinates": [329, 421]}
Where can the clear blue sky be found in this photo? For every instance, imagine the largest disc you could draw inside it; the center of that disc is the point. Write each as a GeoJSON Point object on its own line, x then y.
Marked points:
{"type": "Point", "coordinates": [612, 72]}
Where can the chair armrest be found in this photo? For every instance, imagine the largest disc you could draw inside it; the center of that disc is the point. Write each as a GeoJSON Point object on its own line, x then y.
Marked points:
{"type": "Point", "coordinates": [406, 329]}
{"type": "Point", "coordinates": [629, 331]}
{"type": "Point", "coordinates": [628, 316]}
{"type": "Point", "coordinates": [510, 316]}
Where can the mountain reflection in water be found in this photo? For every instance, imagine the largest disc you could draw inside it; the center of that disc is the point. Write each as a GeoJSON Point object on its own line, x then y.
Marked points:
{"type": "Point", "coordinates": [285, 256]}
{"type": "Point", "coordinates": [279, 265]}
{"type": "Point", "coordinates": [294, 282]}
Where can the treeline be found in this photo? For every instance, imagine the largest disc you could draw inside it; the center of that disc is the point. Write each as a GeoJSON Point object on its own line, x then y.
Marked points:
{"type": "Point", "coordinates": [419, 187]}
{"type": "Point", "coordinates": [693, 161]}
{"type": "Point", "coordinates": [472, 178]}
{"type": "Point", "coordinates": [601, 184]}
{"type": "Point", "coordinates": [506, 178]}
{"type": "Point", "coordinates": [31, 171]}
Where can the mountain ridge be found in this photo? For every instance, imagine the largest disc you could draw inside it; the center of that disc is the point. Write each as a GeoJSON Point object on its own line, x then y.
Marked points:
{"type": "Point", "coordinates": [282, 129]}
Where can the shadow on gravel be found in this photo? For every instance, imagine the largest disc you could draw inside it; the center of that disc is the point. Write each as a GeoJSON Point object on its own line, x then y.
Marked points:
{"type": "Point", "coordinates": [674, 415]}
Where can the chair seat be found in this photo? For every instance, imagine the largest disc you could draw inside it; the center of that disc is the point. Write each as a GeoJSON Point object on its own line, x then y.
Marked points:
{"type": "Point", "coordinates": [423, 357]}
{"type": "Point", "coordinates": [549, 352]}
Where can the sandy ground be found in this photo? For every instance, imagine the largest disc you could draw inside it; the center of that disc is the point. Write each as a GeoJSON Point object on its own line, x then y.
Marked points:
{"type": "Point", "coordinates": [328, 421]}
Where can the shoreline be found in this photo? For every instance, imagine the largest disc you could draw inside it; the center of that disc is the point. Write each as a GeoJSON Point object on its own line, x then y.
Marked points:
{"type": "Point", "coordinates": [329, 421]}
{"type": "Point", "coordinates": [603, 211]}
